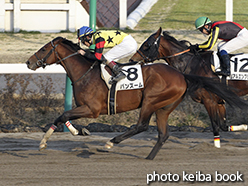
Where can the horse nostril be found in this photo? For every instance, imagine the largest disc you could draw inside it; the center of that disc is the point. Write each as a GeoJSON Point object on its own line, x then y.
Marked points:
{"type": "Point", "coordinates": [27, 62]}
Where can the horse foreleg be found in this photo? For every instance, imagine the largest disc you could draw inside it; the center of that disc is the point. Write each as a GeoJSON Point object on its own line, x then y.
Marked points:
{"type": "Point", "coordinates": [223, 125]}
{"type": "Point", "coordinates": [47, 135]}
{"type": "Point", "coordinates": [50, 131]}
{"type": "Point", "coordinates": [242, 127]}
{"type": "Point", "coordinates": [72, 129]}
{"type": "Point", "coordinates": [75, 113]}
{"type": "Point", "coordinates": [163, 132]}
{"type": "Point", "coordinates": [221, 119]}
{"type": "Point", "coordinates": [78, 112]}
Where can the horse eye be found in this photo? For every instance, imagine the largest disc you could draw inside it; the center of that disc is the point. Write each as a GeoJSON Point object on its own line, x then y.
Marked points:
{"type": "Point", "coordinates": [146, 46]}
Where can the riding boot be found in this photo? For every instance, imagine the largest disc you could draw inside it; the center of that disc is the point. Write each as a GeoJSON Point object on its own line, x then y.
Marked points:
{"type": "Point", "coordinates": [119, 75]}
{"type": "Point", "coordinates": [225, 65]}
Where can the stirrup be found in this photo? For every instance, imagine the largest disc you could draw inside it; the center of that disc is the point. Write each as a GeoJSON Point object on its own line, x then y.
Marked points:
{"type": "Point", "coordinates": [117, 78]}
{"type": "Point", "coordinates": [223, 73]}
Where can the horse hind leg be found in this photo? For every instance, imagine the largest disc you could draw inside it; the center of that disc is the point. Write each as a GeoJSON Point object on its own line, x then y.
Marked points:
{"type": "Point", "coordinates": [221, 122]}
{"type": "Point", "coordinates": [163, 127]}
{"type": "Point", "coordinates": [141, 126]}
{"type": "Point", "coordinates": [217, 115]}
{"type": "Point", "coordinates": [163, 131]}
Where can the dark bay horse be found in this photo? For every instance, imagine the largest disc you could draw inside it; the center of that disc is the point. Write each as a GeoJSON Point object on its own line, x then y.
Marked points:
{"type": "Point", "coordinates": [176, 54]}
{"type": "Point", "coordinates": [164, 88]}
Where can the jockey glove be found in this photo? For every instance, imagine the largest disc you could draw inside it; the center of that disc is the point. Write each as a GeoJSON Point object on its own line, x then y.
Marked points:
{"type": "Point", "coordinates": [194, 48]}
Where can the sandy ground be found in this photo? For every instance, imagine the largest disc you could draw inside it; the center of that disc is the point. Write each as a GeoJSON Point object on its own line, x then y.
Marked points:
{"type": "Point", "coordinates": [79, 160]}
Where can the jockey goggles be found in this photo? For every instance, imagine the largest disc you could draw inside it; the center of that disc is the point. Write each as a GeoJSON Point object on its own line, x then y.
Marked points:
{"type": "Point", "coordinates": [85, 39]}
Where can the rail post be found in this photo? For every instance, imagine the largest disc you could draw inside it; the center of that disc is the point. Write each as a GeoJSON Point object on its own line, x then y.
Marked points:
{"type": "Point", "coordinates": [68, 98]}
{"type": "Point", "coordinates": [93, 14]}
{"type": "Point", "coordinates": [68, 86]}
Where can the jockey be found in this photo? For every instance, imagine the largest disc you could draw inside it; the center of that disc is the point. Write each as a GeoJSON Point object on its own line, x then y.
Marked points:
{"type": "Point", "coordinates": [234, 37]}
{"type": "Point", "coordinates": [121, 44]}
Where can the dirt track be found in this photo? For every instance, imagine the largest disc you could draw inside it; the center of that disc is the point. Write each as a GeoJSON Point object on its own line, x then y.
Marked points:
{"type": "Point", "coordinates": [79, 160]}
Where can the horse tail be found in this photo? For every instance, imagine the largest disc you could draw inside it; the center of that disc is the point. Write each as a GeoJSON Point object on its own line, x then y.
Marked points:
{"type": "Point", "coordinates": [225, 92]}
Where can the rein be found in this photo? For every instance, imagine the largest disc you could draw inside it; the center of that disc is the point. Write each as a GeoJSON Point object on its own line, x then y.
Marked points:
{"type": "Point", "coordinates": [174, 55]}
{"type": "Point", "coordinates": [146, 58]}
{"type": "Point", "coordinates": [60, 60]}
{"type": "Point", "coordinates": [91, 67]}
{"type": "Point", "coordinates": [155, 43]}
{"type": "Point", "coordinates": [178, 54]}
{"type": "Point", "coordinates": [42, 62]}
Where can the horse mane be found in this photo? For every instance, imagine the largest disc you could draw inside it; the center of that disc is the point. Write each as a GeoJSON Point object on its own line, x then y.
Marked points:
{"type": "Point", "coordinates": [72, 45]}
{"type": "Point", "coordinates": [183, 43]}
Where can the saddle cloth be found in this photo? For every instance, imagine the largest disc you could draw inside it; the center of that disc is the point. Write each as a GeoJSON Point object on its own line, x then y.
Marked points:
{"type": "Point", "coordinates": [238, 66]}
{"type": "Point", "coordinates": [133, 80]}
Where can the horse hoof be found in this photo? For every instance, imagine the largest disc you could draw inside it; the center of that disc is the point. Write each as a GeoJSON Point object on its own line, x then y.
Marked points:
{"type": "Point", "coordinates": [109, 145]}
{"type": "Point", "coordinates": [42, 146]}
{"type": "Point", "coordinates": [85, 132]}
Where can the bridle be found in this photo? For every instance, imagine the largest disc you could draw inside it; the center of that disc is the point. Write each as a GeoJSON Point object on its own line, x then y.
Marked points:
{"type": "Point", "coordinates": [42, 62]}
{"type": "Point", "coordinates": [155, 45]}
{"type": "Point", "coordinates": [153, 49]}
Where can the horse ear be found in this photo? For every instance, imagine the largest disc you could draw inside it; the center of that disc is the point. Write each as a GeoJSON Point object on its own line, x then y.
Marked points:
{"type": "Point", "coordinates": [159, 31]}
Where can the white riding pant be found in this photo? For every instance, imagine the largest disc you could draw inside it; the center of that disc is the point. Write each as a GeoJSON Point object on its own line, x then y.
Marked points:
{"type": "Point", "coordinates": [236, 43]}
{"type": "Point", "coordinates": [124, 49]}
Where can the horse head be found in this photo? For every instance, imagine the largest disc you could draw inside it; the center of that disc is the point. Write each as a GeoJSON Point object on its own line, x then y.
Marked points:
{"type": "Point", "coordinates": [149, 50]}
{"type": "Point", "coordinates": [64, 52]}
{"type": "Point", "coordinates": [159, 46]}
{"type": "Point", "coordinates": [46, 55]}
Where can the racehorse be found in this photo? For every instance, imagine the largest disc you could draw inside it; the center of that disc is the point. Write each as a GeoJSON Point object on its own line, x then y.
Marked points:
{"type": "Point", "coordinates": [177, 55]}
{"type": "Point", "coordinates": [164, 88]}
